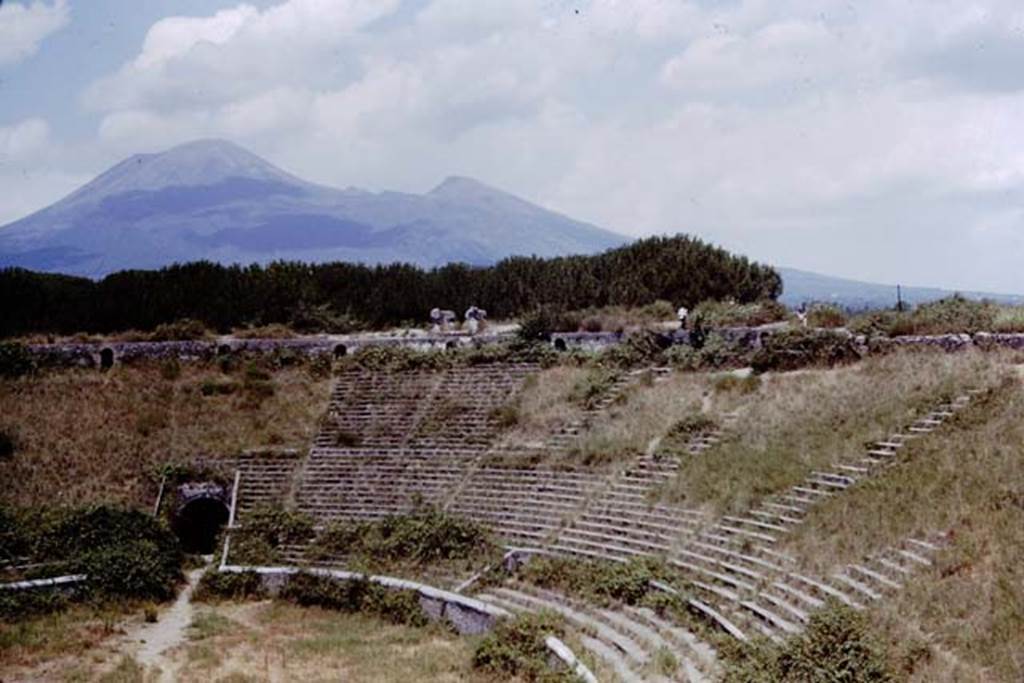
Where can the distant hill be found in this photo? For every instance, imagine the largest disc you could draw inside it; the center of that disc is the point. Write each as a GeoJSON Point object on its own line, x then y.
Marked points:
{"type": "Point", "coordinates": [214, 200]}
{"type": "Point", "coordinates": [801, 286]}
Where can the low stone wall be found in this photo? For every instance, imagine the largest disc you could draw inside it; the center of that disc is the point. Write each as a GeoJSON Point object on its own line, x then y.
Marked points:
{"type": "Point", "coordinates": [466, 615]}
{"type": "Point", "coordinates": [98, 355]}
{"type": "Point", "coordinates": [101, 355]}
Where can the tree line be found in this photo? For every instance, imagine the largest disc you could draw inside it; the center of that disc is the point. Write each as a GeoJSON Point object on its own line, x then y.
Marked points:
{"type": "Point", "coordinates": [681, 269]}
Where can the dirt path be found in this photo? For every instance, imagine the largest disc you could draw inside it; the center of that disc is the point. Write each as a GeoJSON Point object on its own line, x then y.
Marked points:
{"type": "Point", "coordinates": [154, 641]}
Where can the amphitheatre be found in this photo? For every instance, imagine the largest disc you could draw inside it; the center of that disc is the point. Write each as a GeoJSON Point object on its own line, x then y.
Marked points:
{"type": "Point", "coordinates": [629, 505]}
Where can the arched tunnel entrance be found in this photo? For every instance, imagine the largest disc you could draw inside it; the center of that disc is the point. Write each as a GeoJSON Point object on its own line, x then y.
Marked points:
{"type": "Point", "coordinates": [201, 514]}
{"type": "Point", "coordinates": [340, 351]}
{"type": "Point", "coordinates": [560, 345]}
{"type": "Point", "coordinates": [106, 359]}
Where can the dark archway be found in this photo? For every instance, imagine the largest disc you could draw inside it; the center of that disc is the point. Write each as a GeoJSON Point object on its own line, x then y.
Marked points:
{"type": "Point", "coordinates": [198, 523]}
{"type": "Point", "coordinates": [223, 350]}
{"type": "Point", "coordinates": [560, 345]}
{"type": "Point", "coordinates": [450, 345]}
{"type": "Point", "coordinates": [340, 351]}
{"type": "Point", "coordinates": [106, 359]}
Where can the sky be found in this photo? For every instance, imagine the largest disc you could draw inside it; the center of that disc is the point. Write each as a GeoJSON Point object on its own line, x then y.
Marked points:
{"type": "Point", "coordinates": [881, 140]}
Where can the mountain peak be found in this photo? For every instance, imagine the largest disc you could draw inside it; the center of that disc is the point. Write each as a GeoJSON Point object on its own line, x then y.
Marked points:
{"type": "Point", "coordinates": [463, 187]}
{"type": "Point", "coordinates": [192, 164]}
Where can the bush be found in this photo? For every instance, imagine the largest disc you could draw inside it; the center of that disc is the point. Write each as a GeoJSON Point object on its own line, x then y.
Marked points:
{"type": "Point", "coordinates": [794, 349]}
{"type": "Point", "coordinates": [322, 318]}
{"type": "Point", "coordinates": [538, 324]}
{"type": "Point", "coordinates": [355, 595]}
{"type": "Point", "coordinates": [591, 388]}
{"type": "Point", "coordinates": [716, 314]}
{"type": "Point", "coordinates": [715, 353]}
{"type": "Point", "coordinates": [516, 648]}
{"type": "Point", "coordinates": [826, 315]}
{"type": "Point", "coordinates": [598, 582]}
{"type": "Point", "coordinates": [836, 646]}
{"type": "Point", "coordinates": [266, 529]}
{"type": "Point", "coordinates": [424, 536]}
{"type": "Point", "coordinates": [640, 348]}
{"type": "Point", "coordinates": [215, 585]}
{"type": "Point", "coordinates": [15, 360]}
{"type": "Point", "coordinates": [184, 329]}
{"type": "Point", "coordinates": [125, 553]}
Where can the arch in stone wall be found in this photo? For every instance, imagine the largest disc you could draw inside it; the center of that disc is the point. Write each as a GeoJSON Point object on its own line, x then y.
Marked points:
{"type": "Point", "coordinates": [340, 350]}
{"type": "Point", "coordinates": [201, 512]}
{"type": "Point", "coordinates": [106, 358]}
{"type": "Point", "coordinates": [560, 344]}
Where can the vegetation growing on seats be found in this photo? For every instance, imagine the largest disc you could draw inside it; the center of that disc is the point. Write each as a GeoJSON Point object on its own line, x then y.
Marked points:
{"type": "Point", "coordinates": [261, 540]}
{"type": "Point", "coordinates": [793, 424]}
{"type": "Point", "coordinates": [516, 649]}
{"type": "Point", "coordinates": [602, 582]}
{"type": "Point", "coordinates": [837, 645]}
{"type": "Point", "coordinates": [423, 537]}
{"type": "Point", "coordinates": [223, 297]}
{"type": "Point", "coordinates": [124, 553]}
{"type": "Point", "coordinates": [960, 619]}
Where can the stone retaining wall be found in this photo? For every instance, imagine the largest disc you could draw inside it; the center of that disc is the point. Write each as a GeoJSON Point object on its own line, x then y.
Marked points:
{"type": "Point", "coordinates": [92, 354]}
{"type": "Point", "coordinates": [466, 615]}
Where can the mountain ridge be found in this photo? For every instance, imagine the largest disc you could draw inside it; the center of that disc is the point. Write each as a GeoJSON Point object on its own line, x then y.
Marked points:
{"type": "Point", "coordinates": [212, 199]}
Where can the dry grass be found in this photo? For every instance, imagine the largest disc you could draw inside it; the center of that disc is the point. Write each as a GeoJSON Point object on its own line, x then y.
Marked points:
{"type": "Point", "coordinates": [647, 413]}
{"type": "Point", "coordinates": [543, 404]}
{"type": "Point", "coordinates": [963, 620]}
{"type": "Point", "coordinates": [800, 421]}
{"type": "Point", "coordinates": [83, 436]}
{"type": "Point", "coordinates": [57, 646]}
{"type": "Point", "coordinates": [282, 642]}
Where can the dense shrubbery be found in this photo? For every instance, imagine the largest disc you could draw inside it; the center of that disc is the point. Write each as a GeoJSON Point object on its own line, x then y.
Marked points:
{"type": "Point", "coordinates": [15, 360]}
{"type": "Point", "coordinates": [794, 349]}
{"type": "Point", "coordinates": [836, 646]}
{"type": "Point", "coordinates": [265, 530]}
{"type": "Point", "coordinates": [712, 314]}
{"type": "Point", "coordinates": [216, 585]}
{"type": "Point", "coordinates": [355, 595]}
{"type": "Point", "coordinates": [125, 553]}
{"type": "Point", "coordinates": [952, 315]}
{"type": "Point", "coordinates": [516, 648]}
{"type": "Point", "coordinates": [319, 296]}
{"type": "Point", "coordinates": [826, 315]}
{"type": "Point", "coordinates": [715, 353]}
{"type": "Point", "coordinates": [598, 582]}
{"type": "Point", "coordinates": [423, 537]}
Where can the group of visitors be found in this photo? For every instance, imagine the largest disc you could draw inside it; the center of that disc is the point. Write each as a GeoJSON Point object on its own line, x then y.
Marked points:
{"type": "Point", "coordinates": [443, 320]}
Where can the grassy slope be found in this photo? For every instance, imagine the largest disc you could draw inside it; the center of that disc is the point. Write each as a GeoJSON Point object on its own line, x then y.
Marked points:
{"type": "Point", "coordinates": [84, 436]}
{"type": "Point", "coordinates": [963, 620]}
{"type": "Point", "coordinates": [283, 642]}
{"type": "Point", "coordinates": [800, 421]}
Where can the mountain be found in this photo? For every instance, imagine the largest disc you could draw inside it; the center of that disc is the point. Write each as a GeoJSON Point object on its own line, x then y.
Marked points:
{"type": "Point", "coordinates": [801, 286]}
{"type": "Point", "coordinates": [211, 199]}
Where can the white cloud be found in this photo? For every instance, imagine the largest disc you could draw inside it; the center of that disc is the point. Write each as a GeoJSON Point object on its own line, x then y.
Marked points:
{"type": "Point", "coordinates": [23, 27]}
{"type": "Point", "coordinates": [806, 132]}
